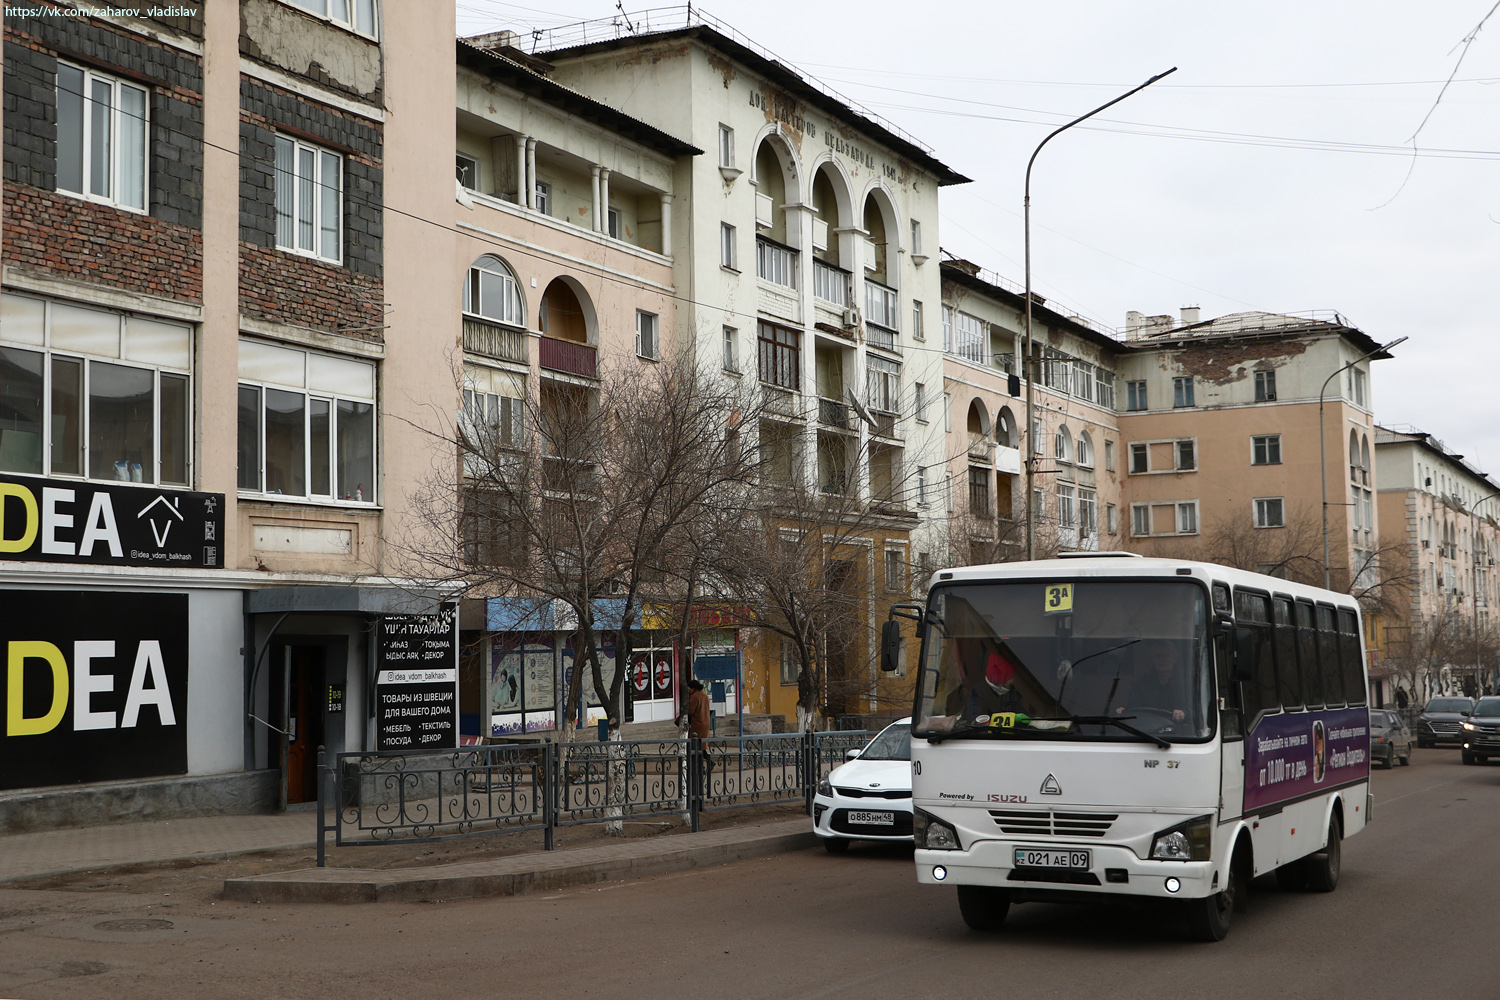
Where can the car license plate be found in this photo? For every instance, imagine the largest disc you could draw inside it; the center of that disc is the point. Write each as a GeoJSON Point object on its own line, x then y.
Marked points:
{"type": "Point", "coordinates": [1027, 857]}
{"type": "Point", "coordinates": [873, 818]}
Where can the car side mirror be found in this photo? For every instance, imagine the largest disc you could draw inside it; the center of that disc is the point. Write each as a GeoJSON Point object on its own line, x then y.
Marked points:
{"type": "Point", "coordinates": [851, 754]}
{"type": "Point", "coordinates": [890, 646]}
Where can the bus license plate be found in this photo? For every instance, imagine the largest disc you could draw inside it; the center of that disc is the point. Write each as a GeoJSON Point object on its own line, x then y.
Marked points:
{"type": "Point", "coordinates": [873, 818]}
{"type": "Point", "coordinates": [1027, 857]}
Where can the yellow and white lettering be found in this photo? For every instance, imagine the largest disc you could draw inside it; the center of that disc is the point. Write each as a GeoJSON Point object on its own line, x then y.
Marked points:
{"type": "Point", "coordinates": [85, 684]}
{"type": "Point", "coordinates": [101, 527]}
{"type": "Point", "coordinates": [16, 723]}
{"type": "Point", "coordinates": [28, 527]}
{"type": "Point", "coordinates": [148, 657]}
{"type": "Point", "coordinates": [52, 519]}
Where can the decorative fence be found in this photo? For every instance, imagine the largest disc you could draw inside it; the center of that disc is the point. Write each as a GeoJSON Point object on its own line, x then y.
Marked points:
{"type": "Point", "coordinates": [382, 798]}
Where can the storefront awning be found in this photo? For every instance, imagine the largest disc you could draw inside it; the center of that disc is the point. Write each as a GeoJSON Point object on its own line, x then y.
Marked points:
{"type": "Point", "coordinates": [341, 600]}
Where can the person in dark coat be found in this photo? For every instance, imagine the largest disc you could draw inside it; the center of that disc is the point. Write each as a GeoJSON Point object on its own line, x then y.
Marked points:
{"type": "Point", "coordinates": [696, 712]}
{"type": "Point", "coordinates": [1162, 685]}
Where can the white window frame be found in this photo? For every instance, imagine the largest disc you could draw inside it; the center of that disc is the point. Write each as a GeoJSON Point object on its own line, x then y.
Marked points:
{"type": "Point", "coordinates": [1112, 519]}
{"type": "Point", "coordinates": [1265, 386]}
{"type": "Point", "coordinates": [917, 327]}
{"type": "Point", "coordinates": [947, 329]}
{"type": "Point", "coordinates": [1135, 395]}
{"type": "Point", "coordinates": [1067, 507]}
{"type": "Point", "coordinates": [731, 350]}
{"type": "Point", "coordinates": [613, 223]}
{"type": "Point", "coordinates": [493, 419]}
{"type": "Point", "coordinates": [882, 384]}
{"type": "Point", "coordinates": [321, 189]}
{"type": "Point", "coordinates": [972, 338]}
{"type": "Point", "coordinates": [543, 197]}
{"type": "Point", "coordinates": [1263, 506]}
{"type": "Point", "coordinates": [1185, 518]}
{"type": "Point", "coordinates": [895, 570]}
{"type": "Point", "coordinates": [512, 309]}
{"type": "Point", "coordinates": [1104, 388]}
{"type": "Point", "coordinates": [916, 238]}
{"type": "Point", "coordinates": [647, 335]}
{"type": "Point", "coordinates": [359, 16]}
{"type": "Point", "coordinates": [1272, 442]}
{"type": "Point", "coordinates": [1109, 455]}
{"type": "Point", "coordinates": [1190, 446]}
{"type": "Point", "coordinates": [1143, 449]}
{"type": "Point", "coordinates": [470, 167]}
{"type": "Point", "coordinates": [726, 145]}
{"type": "Point", "coordinates": [119, 125]}
{"type": "Point", "coordinates": [1184, 394]}
{"type": "Point", "coordinates": [728, 247]}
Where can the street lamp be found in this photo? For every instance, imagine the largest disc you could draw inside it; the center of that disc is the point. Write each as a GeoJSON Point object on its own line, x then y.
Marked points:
{"type": "Point", "coordinates": [1323, 449]}
{"type": "Point", "coordinates": [1030, 436]}
{"type": "Point", "coordinates": [1474, 573]}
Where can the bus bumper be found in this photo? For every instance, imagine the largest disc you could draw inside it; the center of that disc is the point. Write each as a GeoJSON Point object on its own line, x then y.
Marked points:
{"type": "Point", "coordinates": [1112, 871]}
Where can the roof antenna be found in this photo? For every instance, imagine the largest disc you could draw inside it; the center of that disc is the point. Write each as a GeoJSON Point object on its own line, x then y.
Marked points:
{"type": "Point", "coordinates": [620, 6]}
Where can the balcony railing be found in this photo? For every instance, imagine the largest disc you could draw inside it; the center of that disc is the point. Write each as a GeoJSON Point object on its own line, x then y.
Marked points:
{"type": "Point", "coordinates": [567, 356]}
{"type": "Point", "coordinates": [780, 402]}
{"type": "Point", "coordinates": [880, 337]}
{"type": "Point", "coordinates": [493, 341]}
{"type": "Point", "coordinates": [979, 500]}
{"type": "Point", "coordinates": [885, 424]}
{"type": "Point", "coordinates": [775, 262]}
{"type": "Point", "coordinates": [831, 284]}
{"type": "Point", "coordinates": [833, 413]}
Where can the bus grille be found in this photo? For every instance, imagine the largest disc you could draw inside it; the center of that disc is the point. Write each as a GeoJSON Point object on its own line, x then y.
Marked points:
{"type": "Point", "coordinates": [1051, 823]}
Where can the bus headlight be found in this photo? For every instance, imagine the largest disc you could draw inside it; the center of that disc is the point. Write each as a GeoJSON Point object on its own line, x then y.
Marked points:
{"type": "Point", "coordinates": [933, 833]}
{"type": "Point", "coordinates": [1190, 841]}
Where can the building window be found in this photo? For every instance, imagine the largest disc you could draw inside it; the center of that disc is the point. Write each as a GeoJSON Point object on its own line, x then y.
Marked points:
{"type": "Point", "coordinates": [309, 200]}
{"type": "Point", "coordinates": [731, 350]}
{"type": "Point", "coordinates": [727, 255]}
{"type": "Point", "coordinates": [1088, 513]}
{"type": "Point", "coordinates": [1109, 456]}
{"type": "Point", "coordinates": [880, 305]}
{"type": "Point", "coordinates": [467, 171]}
{"type": "Point", "coordinates": [972, 339]}
{"type": "Point", "coordinates": [1111, 519]}
{"type": "Point", "coordinates": [544, 197]}
{"type": "Point", "coordinates": [1067, 511]}
{"type": "Point", "coordinates": [895, 570]}
{"type": "Point", "coordinates": [1104, 388]}
{"type": "Point", "coordinates": [726, 146]}
{"type": "Point", "coordinates": [1186, 458]}
{"type": "Point", "coordinates": [494, 414]}
{"type": "Point", "coordinates": [356, 15]}
{"type": "Point", "coordinates": [647, 335]}
{"type": "Point", "coordinates": [1135, 395]}
{"type": "Point", "coordinates": [882, 384]}
{"type": "Point", "coordinates": [1182, 392]}
{"type": "Point", "coordinates": [775, 263]}
{"type": "Point", "coordinates": [979, 491]}
{"type": "Point", "coordinates": [1036, 438]}
{"type": "Point", "coordinates": [493, 293]}
{"type": "Point", "coordinates": [1270, 512]}
{"type": "Point", "coordinates": [1265, 387]}
{"type": "Point", "coordinates": [947, 411]}
{"type": "Point", "coordinates": [1085, 451]}
{"type": "Point", "coordinates": [1139, 459]}
{"type": "Point", "coordinates": [101, 138]}
{"type": "Point", "coordinates": [306, 424]}
{"type": "Point", "coordinates": [1083, 380]}
{"type": "Point", "coordinates": [778, 357]}
{"type": "Point", "coordinates": [791, 666]}
{"type": "Point", "coordinates": [1184, 515]}
{"type": "Point", "coordinates": [1062, 445]}
{"type": "Point", "coordinates": [1140, 519]}
{"type": "Point", "coordinates": [1187, 518]}
{"type": "Point", "coordinates": [922, 486]}
{"type": "Point", "coordinates": [921, 403]}
{"type": "Point", "coordinates": [612, 223]}
{"type": "Point", "coordinates": [94, 394]}
{"type": "Point", "coordinates": [947, 329]}
{"type": "Point", "coordinates": [1265, 449]}
{"type": "Point", "coordinates": [918, 332]}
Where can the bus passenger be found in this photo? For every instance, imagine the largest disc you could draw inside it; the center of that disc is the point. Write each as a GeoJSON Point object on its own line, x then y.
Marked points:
{"type": "Point", "coordinates": [988, 685]}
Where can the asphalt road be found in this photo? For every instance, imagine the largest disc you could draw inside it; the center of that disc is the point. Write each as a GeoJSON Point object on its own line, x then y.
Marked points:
{"type": "Point", "coordinates": [1411, 918]}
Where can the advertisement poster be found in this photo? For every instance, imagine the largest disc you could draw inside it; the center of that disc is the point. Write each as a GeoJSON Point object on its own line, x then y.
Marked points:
{"type": "Point", "coordinates": [521, 689]}
{"type": "Point", "coordinates": [416, 681]}
{"type": "Point", "coordinates": [54, 520]}
{"type": "Point", "coordinates": [1297, 754]}
{"type": "Point", "coordinates": [96, 687]}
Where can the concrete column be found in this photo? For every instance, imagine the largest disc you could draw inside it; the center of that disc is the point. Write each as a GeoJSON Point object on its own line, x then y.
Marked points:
{"type": "Point", "coordinates": [598, 216]}
{"type": "Point", "coordinates": [521, 198]}
{"type": "Point", "coordinates": [604, 200]}
{"type": "Point", "coordinates": [666, 225]}
{"type": "Point", "coordinates": [531, 173]}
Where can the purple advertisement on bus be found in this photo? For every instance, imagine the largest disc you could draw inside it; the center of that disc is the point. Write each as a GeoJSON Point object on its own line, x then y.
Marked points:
{"type": "Point", "coordinates": [1297, 754]}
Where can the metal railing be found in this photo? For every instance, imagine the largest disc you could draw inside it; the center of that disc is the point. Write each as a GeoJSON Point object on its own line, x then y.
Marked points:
{"type": "Point", "coordinates": [566, 356]}
{"type": "Point", "coordinates": [382, 798]}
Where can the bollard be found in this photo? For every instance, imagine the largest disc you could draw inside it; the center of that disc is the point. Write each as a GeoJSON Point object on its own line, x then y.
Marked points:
{"type": "Point", "coordinates": [322, 780]}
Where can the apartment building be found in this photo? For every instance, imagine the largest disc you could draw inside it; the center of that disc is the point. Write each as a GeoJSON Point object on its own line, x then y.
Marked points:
{"type": "Point", "coordinates": [566, 269]}
{"type": "Point", "coordinates": [1440, 518]}
{"type": "Point", "coordinates": [808, 242]}
{"type": "Point", "coordinates": [219, 242]}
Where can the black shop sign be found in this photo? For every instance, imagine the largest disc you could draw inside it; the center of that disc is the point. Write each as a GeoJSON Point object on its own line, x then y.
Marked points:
{"type": "Point", "coordinates": [109, 524]}
{"type": "Point", "coordinates": [95, 688]}
{"type": "Point", "coordinates": [416, 684]}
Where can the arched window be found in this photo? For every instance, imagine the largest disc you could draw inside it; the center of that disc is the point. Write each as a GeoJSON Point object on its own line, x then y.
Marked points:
{"type": "Point", "coordinates": [1085, 450]}
{"type": "Point", "coordinates": [1005, 428]}
{"type": "Point", "coordinates": [1062, 445]}
{"type": "Point", "coordinates": [492, 292]}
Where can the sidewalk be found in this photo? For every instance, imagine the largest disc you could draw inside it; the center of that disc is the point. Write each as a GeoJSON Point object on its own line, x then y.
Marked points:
{"type": "Point", "coordinates": [54, 852]}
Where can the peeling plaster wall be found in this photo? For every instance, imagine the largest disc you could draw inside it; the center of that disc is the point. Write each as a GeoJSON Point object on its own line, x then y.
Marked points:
{"type": "Point", "coordinates": [281, 36]}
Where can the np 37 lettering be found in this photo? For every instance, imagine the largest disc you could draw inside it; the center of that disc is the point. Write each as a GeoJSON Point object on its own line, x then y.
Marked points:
{"type": "Point", "coordinates": [82, 684]}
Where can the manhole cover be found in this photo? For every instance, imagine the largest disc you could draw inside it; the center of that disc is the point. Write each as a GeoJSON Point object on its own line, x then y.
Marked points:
{"type": "Point", "coordinates": [134, 925]}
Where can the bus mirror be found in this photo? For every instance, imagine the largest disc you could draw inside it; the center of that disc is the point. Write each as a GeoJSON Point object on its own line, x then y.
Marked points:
{"type": "Point", "coordinates": [1244, 654]}
{"type": "Point", "coordinates": [890, 646]}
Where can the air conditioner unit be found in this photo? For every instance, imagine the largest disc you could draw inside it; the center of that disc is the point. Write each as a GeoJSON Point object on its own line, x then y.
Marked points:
{"type": "Point", "coordinates": [1270, 397]}
{"type": "Point", "coordinates": [851, 318]}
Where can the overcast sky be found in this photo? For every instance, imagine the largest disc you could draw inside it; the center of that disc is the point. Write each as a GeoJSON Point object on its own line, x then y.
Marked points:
{"type": "Point", "coordinates": [1273, 170]}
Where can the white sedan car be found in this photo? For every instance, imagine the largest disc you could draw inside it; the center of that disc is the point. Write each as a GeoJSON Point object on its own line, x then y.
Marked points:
{"type": "Point", "coordinates": [868, 798]}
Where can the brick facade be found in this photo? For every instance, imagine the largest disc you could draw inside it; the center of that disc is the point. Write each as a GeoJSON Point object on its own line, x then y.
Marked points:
{"type": "Point", "coordinates": [287, 288]}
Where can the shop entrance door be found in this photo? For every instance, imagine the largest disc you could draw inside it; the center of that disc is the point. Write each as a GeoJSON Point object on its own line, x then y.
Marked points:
{"type": "Point", "coordinates": [306, 685]}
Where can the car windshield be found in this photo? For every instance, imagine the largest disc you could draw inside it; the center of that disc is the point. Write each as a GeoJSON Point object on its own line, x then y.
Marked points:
{"type": "Point", "coordinates": [893, 743]}
{"type": "Point", "coordinates": [1449, 705]}
{"type": "Point", "coordinates": [1381, 720]}
{"type": "Point", "coordinates": [1488, 709]}
{"type": "Point", "coordinates": [1066, 659]}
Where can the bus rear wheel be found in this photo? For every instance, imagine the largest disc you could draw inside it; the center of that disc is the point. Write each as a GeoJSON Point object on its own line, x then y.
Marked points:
{"type": "Point", "coordinates": [983, 906]}
{"type": "Point", "coordinates": [1323, 867]}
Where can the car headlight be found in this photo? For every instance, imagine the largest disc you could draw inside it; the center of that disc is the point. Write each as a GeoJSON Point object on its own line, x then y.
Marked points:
{"type": "Point", "coordinates": [825, 788]}
{"type": "Point", "coordinates": [932, 833]}
{"type": "Point", "coordinates": [1471, 727]}
{"type": "Point", "coordinates": [1190, 841]}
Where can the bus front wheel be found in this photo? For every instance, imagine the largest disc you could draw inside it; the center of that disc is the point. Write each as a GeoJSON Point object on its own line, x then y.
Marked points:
{"type": "Point", "coordinates": [1323, 867]}
{"type": "Point", "coordinates": [983, 906]}
{"type": "Point", "coordinates": [1208, 918]}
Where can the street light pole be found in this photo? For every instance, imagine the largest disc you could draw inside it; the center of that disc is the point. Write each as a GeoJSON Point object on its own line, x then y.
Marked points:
{"type": "Point", "coordinates": [1029, 439]}
{"type": "Point", "coordinates": [1474, 574]}
{"type": "Point", "coordinates": [1323, 449]}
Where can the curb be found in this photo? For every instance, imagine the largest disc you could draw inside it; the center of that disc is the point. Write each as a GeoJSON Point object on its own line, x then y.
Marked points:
{"type": "Point", "coordinates": [517, 875]}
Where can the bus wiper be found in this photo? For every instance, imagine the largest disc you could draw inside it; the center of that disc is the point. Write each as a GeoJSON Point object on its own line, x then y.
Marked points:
{"type": "Point", "coordinates": [1118, 721]}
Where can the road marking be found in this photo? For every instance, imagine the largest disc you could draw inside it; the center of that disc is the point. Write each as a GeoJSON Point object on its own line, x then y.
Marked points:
{"type": "Point", "coordinates": [1428, 788]}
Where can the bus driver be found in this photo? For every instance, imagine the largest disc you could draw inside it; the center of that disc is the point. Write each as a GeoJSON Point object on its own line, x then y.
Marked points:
{"type": "Point", "coordinates": [1159, 687]}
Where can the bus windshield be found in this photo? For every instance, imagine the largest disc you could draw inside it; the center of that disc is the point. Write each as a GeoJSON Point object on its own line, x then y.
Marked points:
{"type": "Point", "coordinates": [1083, 659]}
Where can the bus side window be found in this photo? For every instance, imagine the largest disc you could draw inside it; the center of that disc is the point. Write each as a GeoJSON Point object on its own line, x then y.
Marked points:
{"type": "Point", "coordinates": [1230, 727]}
{"type": "Point", "coordinates": [1289, 691]}
{"type": "Point", "coordinates": [1307, 656]}
{"type": "Point", "coordinates": [1351, 657]}
{"type": "Point", "coordinates": [1252, 611]}
{"type": "Point", "coordinates": [1328, 658]}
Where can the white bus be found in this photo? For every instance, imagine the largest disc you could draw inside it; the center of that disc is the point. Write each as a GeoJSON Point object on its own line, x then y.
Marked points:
{"type": "Point", "coordinates": [1111, 725]}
